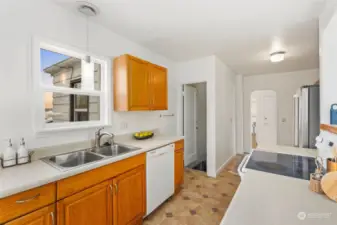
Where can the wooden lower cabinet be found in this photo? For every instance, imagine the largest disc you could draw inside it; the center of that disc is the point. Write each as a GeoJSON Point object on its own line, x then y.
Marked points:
{"type": "Point", "coordinates": [129, 202]}
{"type": "Point", "coordinates": [44, 216]}
{"type": "Point", "coordinates": [178, 169]}
{"type": "Point", "coordinates": [92, 206]}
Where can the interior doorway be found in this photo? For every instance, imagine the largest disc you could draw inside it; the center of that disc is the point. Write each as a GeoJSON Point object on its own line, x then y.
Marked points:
{"type": "Point", "coordinates": [263, 110]}
{"type": "Point", "coordinates": [195, 125]}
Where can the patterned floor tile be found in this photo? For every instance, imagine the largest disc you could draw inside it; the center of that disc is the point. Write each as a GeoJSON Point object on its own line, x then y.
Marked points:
{"type": "Point", "coordinates": [202, 201]}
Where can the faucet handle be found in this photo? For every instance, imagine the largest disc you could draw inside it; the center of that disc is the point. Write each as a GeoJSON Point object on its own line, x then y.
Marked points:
{"type": "Point", "coordinates": [99, 130]}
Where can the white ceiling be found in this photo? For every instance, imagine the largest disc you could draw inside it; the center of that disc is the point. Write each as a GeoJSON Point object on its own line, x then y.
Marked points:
{"type": "Point", "coordinates": [242, 33]}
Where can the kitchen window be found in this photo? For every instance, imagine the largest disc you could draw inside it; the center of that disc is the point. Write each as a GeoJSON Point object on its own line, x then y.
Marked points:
{"type": "Point", "coordinates": [69, 91]}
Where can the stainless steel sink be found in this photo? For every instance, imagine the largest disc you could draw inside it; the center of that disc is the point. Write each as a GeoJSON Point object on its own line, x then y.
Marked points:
{"type": "Point", "coordinates": [114, 150]}
{"type": "Point", "coordinates": [72, 160]}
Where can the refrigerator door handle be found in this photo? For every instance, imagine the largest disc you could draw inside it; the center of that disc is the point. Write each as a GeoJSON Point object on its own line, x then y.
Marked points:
{"type": "Point", "coordinates": [296, 120]}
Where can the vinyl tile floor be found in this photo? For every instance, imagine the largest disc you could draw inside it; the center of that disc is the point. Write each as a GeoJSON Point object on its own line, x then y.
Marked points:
{"type": "Point", "coordinates": [202, 200]}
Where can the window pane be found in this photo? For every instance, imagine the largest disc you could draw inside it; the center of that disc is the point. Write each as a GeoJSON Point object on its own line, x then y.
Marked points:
{"type": "Point", "coordinates": [62, 70]}
{"type": "Point", "coordinates": [61, 107]}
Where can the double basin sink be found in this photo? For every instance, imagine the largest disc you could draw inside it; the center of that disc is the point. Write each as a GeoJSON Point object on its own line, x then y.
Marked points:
{"type": "Point", "coordinates": [76, 159]}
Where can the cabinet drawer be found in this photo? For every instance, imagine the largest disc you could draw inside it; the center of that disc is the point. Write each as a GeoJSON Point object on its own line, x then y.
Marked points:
{"type": "Point", "coordinates": [179, 145]}
{"type": "Point", "coordinates": [25, 202]}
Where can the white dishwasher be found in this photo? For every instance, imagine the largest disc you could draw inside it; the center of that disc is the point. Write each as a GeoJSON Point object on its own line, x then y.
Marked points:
{"type": "Point", "coordinates": [159, 176]}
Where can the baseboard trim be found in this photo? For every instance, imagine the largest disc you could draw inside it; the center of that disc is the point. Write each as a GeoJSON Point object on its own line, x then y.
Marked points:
{"type": "Point", "coordinates": [223, 165]}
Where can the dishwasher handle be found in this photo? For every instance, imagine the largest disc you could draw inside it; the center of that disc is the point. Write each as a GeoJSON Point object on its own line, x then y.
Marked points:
{"type": "Point", "coordinates": [158, 153]}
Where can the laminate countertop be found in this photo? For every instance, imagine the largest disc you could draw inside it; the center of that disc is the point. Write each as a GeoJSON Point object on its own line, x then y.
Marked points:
{"type": "Point", "coordinates": [269, 199]}
{"type": "Point", "coordinates": [24, 177]}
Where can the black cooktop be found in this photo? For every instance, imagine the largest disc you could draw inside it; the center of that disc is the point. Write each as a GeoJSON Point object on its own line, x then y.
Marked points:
{"type": "Point", "coordinates": [282, 164]}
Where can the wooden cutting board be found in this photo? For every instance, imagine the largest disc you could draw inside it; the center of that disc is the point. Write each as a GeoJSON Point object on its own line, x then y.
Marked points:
{"type": "Point", "coordinates": [329, 185]}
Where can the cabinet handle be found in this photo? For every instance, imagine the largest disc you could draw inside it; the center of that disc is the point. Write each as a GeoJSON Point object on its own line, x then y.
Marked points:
{"type": "Point", "coordinates": [52, 218]}
{"type": "Point", "coordinates": [111, 189]}
{"type": "Point", "coordinates": [116, 188]}
{"type": "Point", "coordinates": [28, 199]}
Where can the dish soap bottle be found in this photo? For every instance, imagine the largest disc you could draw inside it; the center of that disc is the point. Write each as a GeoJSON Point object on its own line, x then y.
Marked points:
{"type": "Point", "coordinates": [22, 152]}
{"type": "Point", "coordinates": [9, 155]}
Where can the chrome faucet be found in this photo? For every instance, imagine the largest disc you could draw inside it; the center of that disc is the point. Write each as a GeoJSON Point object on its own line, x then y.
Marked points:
{"type": "Point", "coordinates": [99, 135]}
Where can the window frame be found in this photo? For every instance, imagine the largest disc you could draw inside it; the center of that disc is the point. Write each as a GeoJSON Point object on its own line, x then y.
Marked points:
{"type": "Point", "coordinates": [39, 88]}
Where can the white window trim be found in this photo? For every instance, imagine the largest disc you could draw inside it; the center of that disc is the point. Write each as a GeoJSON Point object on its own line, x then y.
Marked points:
{"type": "Point", "coordinates": [38, 89]}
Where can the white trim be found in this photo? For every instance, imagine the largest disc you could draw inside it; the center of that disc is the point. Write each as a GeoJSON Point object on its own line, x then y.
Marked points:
{"type": "Point", "coordinates": [39, 89]}
{"type": "Point", "coordinates": [223, 165]}
{"type": "Point", "coordinates": [76, 126]}
{"type": "Point", "coordinates": [74, 91]}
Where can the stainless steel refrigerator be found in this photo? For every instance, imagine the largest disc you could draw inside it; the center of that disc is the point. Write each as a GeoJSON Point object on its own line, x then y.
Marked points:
{"type": "Point", "coordinates": [306, 116]}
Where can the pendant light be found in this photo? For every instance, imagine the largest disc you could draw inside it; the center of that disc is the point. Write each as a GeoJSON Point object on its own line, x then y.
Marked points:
{"type": "Point", "coordinates": [88, 10]}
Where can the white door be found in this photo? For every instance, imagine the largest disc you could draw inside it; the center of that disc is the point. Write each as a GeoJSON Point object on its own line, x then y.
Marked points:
{"type": "Point", "coordinates": [266, 124]}
{"type": "Point", "coordinates": [190, 124]}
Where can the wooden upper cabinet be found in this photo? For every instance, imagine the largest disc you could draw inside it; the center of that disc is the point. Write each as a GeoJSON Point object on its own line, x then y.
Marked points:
{"type": "Point", "coordinates": [138, 85]}
{"type": "Point", "coordinates": [92, 206]}
{"type": "Point", "coordinates": [129, 201]}
{"type": "Point", "coordinates": [44, 216]}
{"type": "Point", "coordinates": [158, 80]}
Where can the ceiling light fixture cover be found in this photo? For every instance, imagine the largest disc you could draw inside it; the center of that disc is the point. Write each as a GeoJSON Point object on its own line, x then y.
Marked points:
{"type": "Point", "coordinates": [276, 57]}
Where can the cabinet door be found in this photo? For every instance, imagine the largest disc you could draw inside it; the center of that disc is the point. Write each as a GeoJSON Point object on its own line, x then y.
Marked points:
{"type": "Point", "coordinates": [129, 200]}
{"type": "Point", "coordinates": [44, 216]}
{"type": "Point", "coordinates": [158, 82]}
{"type": "Point", "coordinates": [92, 206]}
{"type": "Point", "coordinates": [138, 85]}
{"type": "Point", "coordinates": [178, 169]}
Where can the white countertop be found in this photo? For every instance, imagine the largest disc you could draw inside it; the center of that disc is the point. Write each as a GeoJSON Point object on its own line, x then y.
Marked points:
{"type": "Point", "coordinates": [269, 199]}
{"type": "Point", "coordinates": [21, 178]}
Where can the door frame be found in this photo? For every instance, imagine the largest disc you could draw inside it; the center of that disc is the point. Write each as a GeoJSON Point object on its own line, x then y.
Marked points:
{"type": "Point", "coordinates": [195, 144]}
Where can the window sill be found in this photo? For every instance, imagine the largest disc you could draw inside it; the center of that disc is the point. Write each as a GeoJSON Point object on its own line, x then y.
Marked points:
{"type": "Point", "coordinates": [72, 127]}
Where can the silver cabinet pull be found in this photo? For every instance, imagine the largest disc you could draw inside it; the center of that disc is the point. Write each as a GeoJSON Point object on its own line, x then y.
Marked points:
{"type": "Point", "coordinates": [52, 218]}
{"type": "Point", "coordinates": [28, 199]}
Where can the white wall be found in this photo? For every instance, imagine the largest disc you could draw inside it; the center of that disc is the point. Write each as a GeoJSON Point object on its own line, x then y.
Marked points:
{"type": "Point", "coordinates": [20, 21]}
{"type": "Point", "coordinates": [328, 55]}
{"type": "Point", "coordinates": [225, 113]}
{"type": "Point", "coordinates": [285, 86]}
{"type": "Point", "coordinates": [196, 71]}
{"type": "Point", "coordinates": [220, 81]}
{"type": "Point", "coordinates": [239, 114]}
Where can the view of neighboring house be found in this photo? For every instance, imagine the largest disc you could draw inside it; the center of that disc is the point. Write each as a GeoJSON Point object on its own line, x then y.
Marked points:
{"type": "Point", "coordinates": [68, 107]}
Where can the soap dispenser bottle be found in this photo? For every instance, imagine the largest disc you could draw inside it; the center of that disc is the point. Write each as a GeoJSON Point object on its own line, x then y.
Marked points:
{"type": "Point", "coordinates": [9, 155]}
{"type": "Point", "coordinates": [22, 152]}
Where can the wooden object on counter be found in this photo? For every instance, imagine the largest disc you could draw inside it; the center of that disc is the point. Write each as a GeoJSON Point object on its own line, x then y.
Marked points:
{"type": "Point", "coordinates": [25, 202]}
{"type": "Point", "coordinates": [44, 216]}
{"type": "Point", "coordinates": [178, 165]}
{"type": "Point", "coordinates": [72, 185]}
{"type": "Point", "coordinates": [139, 85]}
{"type": "Point", "coordinates": [331, 166]}
{"type": "Point", "coordinates": [254, 143]}
{"type": "Point", "coordinates": [315, 184]}
{"type": "Point", "coordinates": [329, 128]}
{"type": "Point", "coordinates": [329, 185]}
{"type": "Point", "coordinates": [91, 206]}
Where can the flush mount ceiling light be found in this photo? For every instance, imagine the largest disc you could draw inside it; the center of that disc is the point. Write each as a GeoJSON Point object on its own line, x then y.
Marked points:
{"type": "Point", "coordinates": [88, 10]}
{"type": "Point", "coordinates": [276, 57]}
